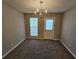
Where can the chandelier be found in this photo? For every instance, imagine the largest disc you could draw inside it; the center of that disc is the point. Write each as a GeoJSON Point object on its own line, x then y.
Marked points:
{"type": "Point", "coordinates": [41, 11]}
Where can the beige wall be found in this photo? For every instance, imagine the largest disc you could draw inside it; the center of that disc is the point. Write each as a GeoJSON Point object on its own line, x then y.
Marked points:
{"type": "Point", "coordinates": [68, 36]}
{"type": "Point", "coordinates": [46, 34]}
{"type": "Point", "coordinates": [13, 29]}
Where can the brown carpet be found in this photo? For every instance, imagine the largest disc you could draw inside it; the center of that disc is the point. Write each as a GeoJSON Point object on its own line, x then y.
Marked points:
{"type": "Point", "coordinates": [40, 49]}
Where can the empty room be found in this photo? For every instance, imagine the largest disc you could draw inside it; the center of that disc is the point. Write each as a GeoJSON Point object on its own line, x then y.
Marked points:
{"type": "Point", "coordinates": [38, 29]}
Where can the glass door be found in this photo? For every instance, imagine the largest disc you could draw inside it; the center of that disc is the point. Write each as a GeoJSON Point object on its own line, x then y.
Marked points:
{"type": "Point", "coordinates": [33, 26]}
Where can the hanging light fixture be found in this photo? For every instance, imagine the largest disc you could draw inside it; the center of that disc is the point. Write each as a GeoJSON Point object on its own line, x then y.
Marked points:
{"type": "Point", "coordinates": [41, 11]}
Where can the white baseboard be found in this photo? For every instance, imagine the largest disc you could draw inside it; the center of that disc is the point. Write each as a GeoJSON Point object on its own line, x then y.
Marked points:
{"type": "Point", "coordinates": [68, 49]}
{"type": "Point", "coordinates": [12, 48]}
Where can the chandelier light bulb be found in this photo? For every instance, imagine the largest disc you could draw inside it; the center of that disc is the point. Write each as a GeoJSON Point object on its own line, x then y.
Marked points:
{"type": "Point", "coordinates": [45, 10]}
{"type": "Point", "coordinates": [40, 13]}
{"type": "Point", "coordinates": [37, 10]}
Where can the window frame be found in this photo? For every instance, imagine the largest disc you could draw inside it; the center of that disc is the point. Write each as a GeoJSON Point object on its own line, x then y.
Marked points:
{"type": "Point", "coordinates": [53, 25]}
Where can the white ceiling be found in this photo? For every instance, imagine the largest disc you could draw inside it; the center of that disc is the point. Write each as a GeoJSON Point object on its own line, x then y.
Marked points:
{"type": "Point", "coordinates": [29, 6]}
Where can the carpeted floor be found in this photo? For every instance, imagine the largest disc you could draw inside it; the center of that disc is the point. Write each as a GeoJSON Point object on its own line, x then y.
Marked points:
{"type": "Point", "coordinates": [40, 49]}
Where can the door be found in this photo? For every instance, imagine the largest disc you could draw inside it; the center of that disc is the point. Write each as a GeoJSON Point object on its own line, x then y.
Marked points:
{"type": "Point", "coordinates": [33, 27]}
{"type": "Point", "coordinates": [49, 28]}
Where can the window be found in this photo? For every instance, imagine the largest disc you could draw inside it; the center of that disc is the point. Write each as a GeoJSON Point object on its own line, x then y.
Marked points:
{"type": "Point", "coordinates": [34, 26]}
{"type": "Point", "coordinates": [49, 25]}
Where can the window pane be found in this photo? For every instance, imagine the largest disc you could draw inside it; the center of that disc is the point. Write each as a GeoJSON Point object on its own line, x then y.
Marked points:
{"type": "Point", "coordinates": [33, 22]}
{"type": "Point", "coordinates": [34, 26]}
{"type": "Point", "coordinates": [49, 24]}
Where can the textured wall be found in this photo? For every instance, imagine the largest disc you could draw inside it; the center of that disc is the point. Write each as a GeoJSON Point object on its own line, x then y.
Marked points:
{"type": "Point", "coordinates": [42, 32]}
{"type": "Point", "coordinates": [69, 30]}
{"type": "Point", "coordinates": [12, 26]}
